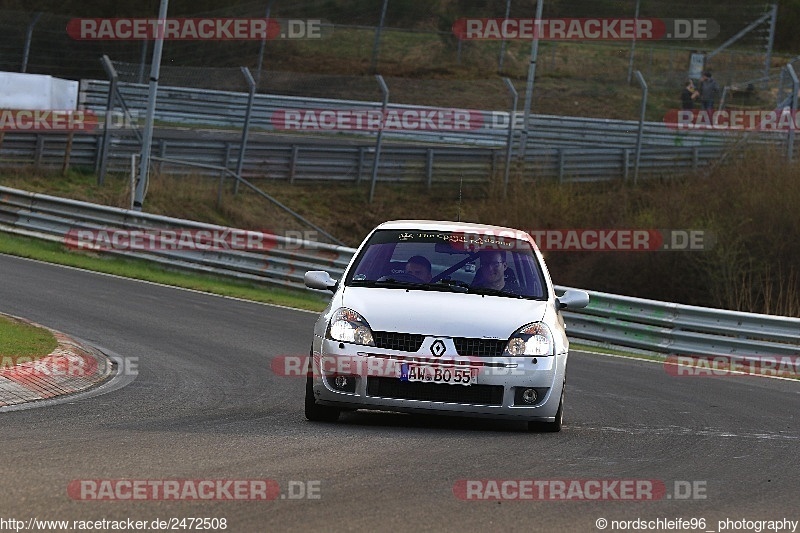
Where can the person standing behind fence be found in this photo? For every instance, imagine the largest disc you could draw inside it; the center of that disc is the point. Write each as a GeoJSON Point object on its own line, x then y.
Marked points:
{"type": "Point", "coordinates": [688, 95]}
{"type": "Point", "coordinates": [708, 91]}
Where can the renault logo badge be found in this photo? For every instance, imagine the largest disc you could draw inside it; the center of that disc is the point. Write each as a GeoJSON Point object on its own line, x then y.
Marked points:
{"type": "Point", "coordinates": [438, 348]}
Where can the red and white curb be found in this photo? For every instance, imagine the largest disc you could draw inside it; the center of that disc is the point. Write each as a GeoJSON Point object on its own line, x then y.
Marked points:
{"type": "Point", "coordinates": [68, 369]}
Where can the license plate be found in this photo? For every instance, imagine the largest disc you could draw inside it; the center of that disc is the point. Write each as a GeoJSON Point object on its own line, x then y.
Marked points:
{"type": "Point", "coordinates": [447, 375]}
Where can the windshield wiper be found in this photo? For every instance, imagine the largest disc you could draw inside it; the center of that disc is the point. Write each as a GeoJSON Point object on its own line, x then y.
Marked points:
{"type": "Point", "coordinates": [453, 285]}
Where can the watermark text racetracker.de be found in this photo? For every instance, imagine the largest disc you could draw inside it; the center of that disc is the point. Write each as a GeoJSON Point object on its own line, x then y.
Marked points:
{"type": "Point", "coordinates": [580, 29]}
{"type": "Point", "coordinates": [173, 239]}
{"type": "Point", "coordinates": [193, 490]}
{"type": "Point", "coordinates": [622, 240]}
{"type": "Point", "coordinates": [770, 120]}
{"type": "Point", "coordinates": [197, 29]}
{"type": "Point", "coordinates": [783, 366]}
{"type": "Point", "coordinates": [47, 120]}
{"type": "Point", "coordinates": [600, 489]}
{"type": "Point", "coordinates": [62, 364]}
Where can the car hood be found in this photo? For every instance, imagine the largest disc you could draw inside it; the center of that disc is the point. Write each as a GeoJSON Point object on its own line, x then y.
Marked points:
{"type": "Point", "coordinates": [444, 314]}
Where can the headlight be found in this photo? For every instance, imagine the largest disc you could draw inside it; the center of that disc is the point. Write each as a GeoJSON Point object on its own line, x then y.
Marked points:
{"type": "Point", "coordinates": [533, 339]}
{"type": "Point", "coordinates": [348, 326]}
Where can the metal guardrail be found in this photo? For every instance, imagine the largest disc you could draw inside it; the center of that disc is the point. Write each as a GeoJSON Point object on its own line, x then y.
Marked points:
{"type": "Point", "coordinates": [268, 159]}
{"type": "Point", "coordinates": [280, 261]}
{"type": "Point", "coordinates": [655, 326]}
{"type": "Point", "coordinates": [184, 105]}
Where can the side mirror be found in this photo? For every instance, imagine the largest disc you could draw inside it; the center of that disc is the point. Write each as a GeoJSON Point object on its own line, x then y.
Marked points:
{"type": "Point", "coordinates": [574, 299]}
{"type": "Point", "coordinates": [319, 279]}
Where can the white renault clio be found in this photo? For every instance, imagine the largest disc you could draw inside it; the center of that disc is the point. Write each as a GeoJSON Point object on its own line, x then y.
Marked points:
{"type": "Point", "coordinates": [442, 317]}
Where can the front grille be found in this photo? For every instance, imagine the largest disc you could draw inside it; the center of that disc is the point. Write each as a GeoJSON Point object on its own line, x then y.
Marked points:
{"type": "Point", "coordinates": [479, 347]}
{"type": "Point", "coordinates": [433, 392]}
{"type": "Point", "coordinates": [401, 342]}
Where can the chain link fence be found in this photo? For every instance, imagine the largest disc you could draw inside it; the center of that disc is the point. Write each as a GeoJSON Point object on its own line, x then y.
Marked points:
{"type": "Point", "coordinates": [417, 52]}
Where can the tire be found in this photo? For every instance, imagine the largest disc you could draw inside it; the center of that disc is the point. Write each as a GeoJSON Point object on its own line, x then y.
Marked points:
{"type": "Point", "coordinates": [316, 412]}
{"type": "Point", "coordinates": [555, 426]}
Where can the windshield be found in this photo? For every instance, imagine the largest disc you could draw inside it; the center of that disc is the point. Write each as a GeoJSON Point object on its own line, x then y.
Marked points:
{"type": "Point", "coordinates": [449, 261]}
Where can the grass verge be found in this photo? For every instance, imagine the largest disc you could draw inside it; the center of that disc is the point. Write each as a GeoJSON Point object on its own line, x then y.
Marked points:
{"type": "Point", "coordinates": [51, 252]}
{"type": "Point", "coordinates": [20, 340]}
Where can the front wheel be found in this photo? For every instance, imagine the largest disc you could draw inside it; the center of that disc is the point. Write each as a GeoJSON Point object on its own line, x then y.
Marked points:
{"type": "Point", "coordinates": [316, 412]}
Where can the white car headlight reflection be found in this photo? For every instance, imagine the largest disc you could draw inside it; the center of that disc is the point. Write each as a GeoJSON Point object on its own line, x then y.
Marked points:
{"type": "Point", "coordinates": [348, 326]}
{"type": "Point", "coordinates": [534, 339]}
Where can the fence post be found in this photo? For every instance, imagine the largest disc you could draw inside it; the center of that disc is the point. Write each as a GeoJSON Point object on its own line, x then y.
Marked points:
{"type": "Point", "coordinates": [429, 167]}
{"type": "Point", "coordinates": [373, 68]}
{"type": "Point", "coordinates": [147, 138]}
{"type": "Point", "coordinates": [28, 37]}
{"type": "Point", "coordinates": [643, 84]}
{"type": "Point", "coordinates": [102, 162]}
{"type": "Point", "coordinates": [633, 45]}
{"type": "Point", "coordinates": [529, 84]}
{"type": "Point", "coordinates": [502, 42]}
{"type": "Point", "coordinates": [246, 128]}
{"type": "Point", "coordinates": [379, 141]}
{"type": "Point", "coordinates": [795, 88]}
{"type": "Point", "coordinates": [512, 121]}
{"type": "Point", "coordinates": [263, 45]}
{"type": "Point", "coordinates": [626, 163]}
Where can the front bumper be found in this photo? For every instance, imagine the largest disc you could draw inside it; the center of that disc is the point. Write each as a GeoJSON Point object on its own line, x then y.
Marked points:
{"type": "Point", "coordinates": [372, 380]}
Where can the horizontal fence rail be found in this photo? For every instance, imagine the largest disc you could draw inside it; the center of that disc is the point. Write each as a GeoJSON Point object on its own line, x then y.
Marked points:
{"type": "Point", "coordinates": [655, 326]}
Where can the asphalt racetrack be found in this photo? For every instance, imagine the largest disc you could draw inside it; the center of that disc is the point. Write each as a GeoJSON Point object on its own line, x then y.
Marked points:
{"type": "Point", "coordinates": [203, 403]}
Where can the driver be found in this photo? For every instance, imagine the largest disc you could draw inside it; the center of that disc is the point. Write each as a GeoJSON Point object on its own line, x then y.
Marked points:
{"type": "Point", "coordinates": [419, 267]}
{"type": "Point", "coordinates": [492, 272]}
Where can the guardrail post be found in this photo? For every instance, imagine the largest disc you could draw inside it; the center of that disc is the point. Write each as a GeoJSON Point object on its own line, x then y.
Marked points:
{"type": "Point", "coordinates": [219, 189]}
{"type": "Point", "coordinates": [695, 157]}
{"type": "Point", "coordinates": [626, 163]}
{"type": "Point", "coordinates": [133, 179]}
{"type": "Point", "coordinates": [67, 153]}
{"type": "Point", "coordinates": [512, 121]}
{"type": "Point", "coordinates": [293, 163]}
{"type": "Point", "coordinates": [795, 88]}
{"type": "Point", "coordinates": [162, 152]}
{"type": "Point", "coordinates": [429, 168]}
{"type": "Point", "coordinates": [246, 128]}
{"type": "Point", "coordinates": [227, 155]}
{"type": "Point", "coordinates": [361, 151]}
{"type": "Point", "coordinates": [2, 135]}
{"type": "Point", "coordinates": [379, 140]}
{"type": "Point", "coordinates": [561, 158]}
{"type": "Point", "coordinates": [38, 152]}
{"type": "Point", "coordinates": [643, 84]}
